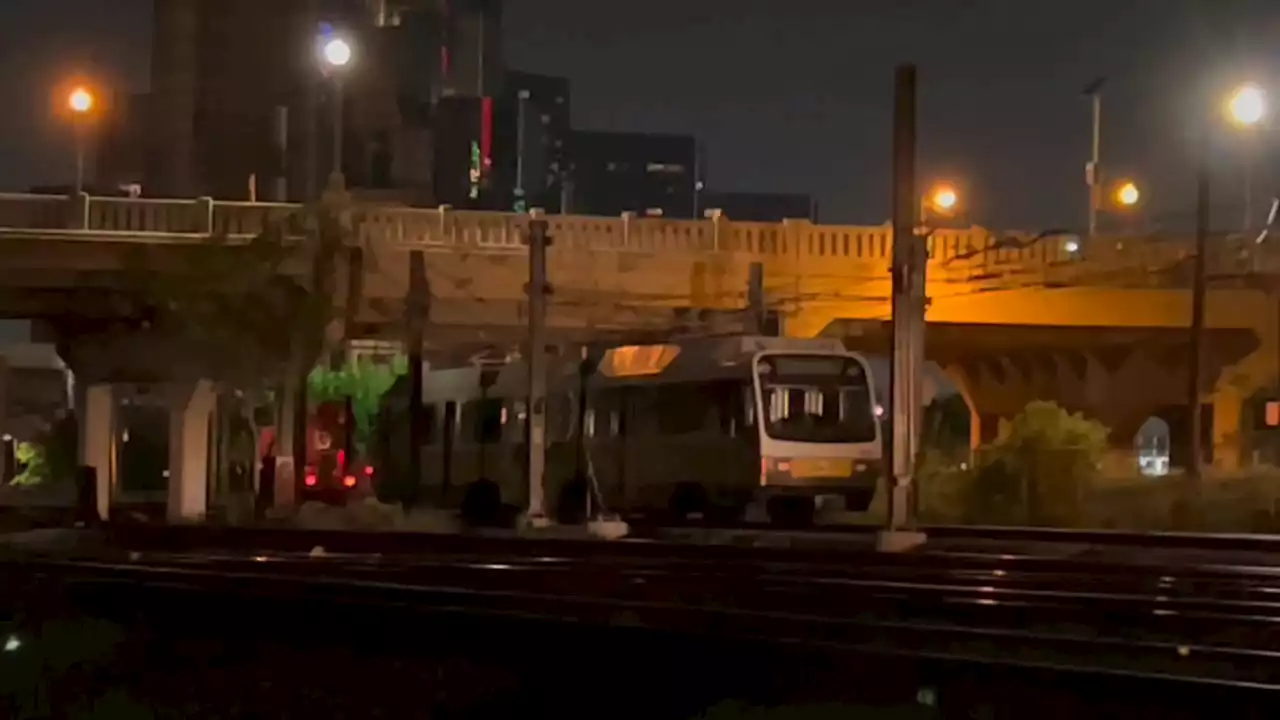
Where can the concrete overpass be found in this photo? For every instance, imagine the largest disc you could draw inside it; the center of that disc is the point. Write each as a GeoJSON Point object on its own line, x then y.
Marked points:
{"type": "Point", "coordinates": [1100, 327]}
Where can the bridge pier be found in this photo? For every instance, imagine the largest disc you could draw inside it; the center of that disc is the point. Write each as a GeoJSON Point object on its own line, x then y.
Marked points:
{"type": "Point", "coordinates": [95, 406]}
{"type": "Point", "coordinates": [191, 408]}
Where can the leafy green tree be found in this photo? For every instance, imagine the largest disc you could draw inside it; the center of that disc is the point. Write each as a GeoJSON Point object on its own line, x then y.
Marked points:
{"type": "Point", "coordinates": [365, 382]}
{"type": "Point", "coordinates": [1040, 467]}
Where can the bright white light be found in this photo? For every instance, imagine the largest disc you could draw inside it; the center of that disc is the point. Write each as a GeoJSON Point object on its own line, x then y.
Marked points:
{"type": "Point", "coordinates": [1072, 246]}
{"type": "Point", "coordinates": [12, 643]}
{"type": "Point", "coordinates": [1248, 105]}
{"type": "Point", "coordinates": [879, 411]}
{"type": "Point", "coordinates": [337, 52]}
{"type": "Point", "coordinates": [945, 198]}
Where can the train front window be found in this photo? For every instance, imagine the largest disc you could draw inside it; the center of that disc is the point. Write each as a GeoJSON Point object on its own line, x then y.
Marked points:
{"type": "Point", "coordinates": [815, 398]}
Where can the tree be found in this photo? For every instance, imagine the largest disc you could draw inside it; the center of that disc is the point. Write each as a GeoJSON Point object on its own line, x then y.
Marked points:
{"type": "Point", "coordinates": [1039, 467]}
{"type": "Point", "coordinates": [365, 382]}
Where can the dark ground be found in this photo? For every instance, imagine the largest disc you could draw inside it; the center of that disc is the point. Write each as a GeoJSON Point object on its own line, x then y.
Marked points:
{"type": "Point", "coordinates": [107, 650]}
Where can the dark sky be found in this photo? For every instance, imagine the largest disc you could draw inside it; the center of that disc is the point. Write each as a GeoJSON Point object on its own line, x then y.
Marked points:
{"type": "Point", "coordinates": [795, 95]}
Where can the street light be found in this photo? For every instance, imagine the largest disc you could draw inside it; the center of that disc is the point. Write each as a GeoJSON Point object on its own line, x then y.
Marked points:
{"type": "Point", "coordinates": [1246, 108]}
{"type": "Point", "coordinates": [81, 102]}
{"type": "Point", "coordinates": [336, 54]}
{"type": "Point", "coordinates": [1127, 194]}
{"type": "Point", "coordinates": [1247, 105]}
{"type": "Point", "coordinates": [942, 200]}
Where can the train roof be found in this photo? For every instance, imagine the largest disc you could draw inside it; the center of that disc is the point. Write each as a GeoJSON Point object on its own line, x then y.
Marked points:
{"type": "Point", "coordinates": [678, 360]}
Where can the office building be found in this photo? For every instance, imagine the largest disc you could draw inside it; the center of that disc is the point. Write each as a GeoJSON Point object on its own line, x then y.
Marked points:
{"type": "Point", "coordinates": [238, 98]}
{"type": "Point", "coordinates": [532, 127]}
{"type": "Point", "coordinates": [647, 174]}
{"type": "Point", "coordinates": [760, 207]}
{"type": "Point", "coordinates": [463, 131]}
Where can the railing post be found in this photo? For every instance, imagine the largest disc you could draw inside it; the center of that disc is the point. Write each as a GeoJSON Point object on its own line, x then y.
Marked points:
{"type": "Point", "coordinates": [79, 219]}
{"type": "Point", "coordinates": [716, 216]}
{"type": "Point", "coordinates": [444, 210]}
{"type": "Point", "coordinates": [627, 217]}
{"type": "Point", "coordinates": [204, 215]}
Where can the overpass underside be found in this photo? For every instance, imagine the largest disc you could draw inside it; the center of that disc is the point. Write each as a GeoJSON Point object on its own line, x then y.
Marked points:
{"type": "Point", "coordinates": [1119, 376]}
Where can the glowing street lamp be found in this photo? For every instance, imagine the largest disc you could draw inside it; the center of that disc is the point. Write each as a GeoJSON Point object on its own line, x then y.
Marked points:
{"type": "Point", "coordinates": [1128, 195]}
{"type": "Point", "coordinates": [336, 55]}
{"type": "Point", "coordinates": [941, 200]}
{"type": "Point", "coordinates": [945, 198]}
{"type": "Point", "coordinates": [80, 101]}
{"type": "Point", "coordinates": [1247, 105]}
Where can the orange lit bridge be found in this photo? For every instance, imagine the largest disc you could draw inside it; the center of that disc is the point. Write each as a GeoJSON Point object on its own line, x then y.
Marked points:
{"type": "Point", "coordinates": [1099, 328]}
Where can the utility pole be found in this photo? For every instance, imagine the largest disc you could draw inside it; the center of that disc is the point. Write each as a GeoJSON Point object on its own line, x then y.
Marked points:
{"type": "Point", "coordinates": [1093, 170]}
{"type": "Point", "coordinates": [1195, 460]}
{"type": "Point", "coordinates": [538, 290]}
{"type": "Point", "coordinates": [418, 309]}
{"type": "Point", "coordinates": [908, 270]}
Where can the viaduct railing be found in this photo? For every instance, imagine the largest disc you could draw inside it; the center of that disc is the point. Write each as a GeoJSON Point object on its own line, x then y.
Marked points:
{"type": "Point", "coordinates": [973, 253]}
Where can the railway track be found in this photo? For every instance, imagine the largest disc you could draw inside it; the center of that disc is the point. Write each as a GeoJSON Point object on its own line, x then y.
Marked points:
{"type": "Point", "coordinates": [1215, 623]}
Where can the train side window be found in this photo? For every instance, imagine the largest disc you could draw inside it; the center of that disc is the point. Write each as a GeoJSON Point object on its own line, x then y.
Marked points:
{"type": "Point", "coordinates": [517, 417]}
{"type": "Point", "coordinates": [683, 408]}
{"type": "Point", "coordinates": [431, 424]}
{"type": "Point", "coordinates": [485, 417]}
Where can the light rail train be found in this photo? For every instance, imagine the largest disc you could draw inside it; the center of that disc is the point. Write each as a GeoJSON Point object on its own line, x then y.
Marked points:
{"type": "Point", "coordinates": [702, 426]}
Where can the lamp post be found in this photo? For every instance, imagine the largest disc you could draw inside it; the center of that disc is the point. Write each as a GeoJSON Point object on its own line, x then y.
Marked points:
{"type": "Point", "coordinates": [81, 102]}
{"type": "Point", "coordinates": [1093, 170]}
{"type": "Point", "coordinates": [336, 55]}
{"type": "Point", "coordinates": [1246, 108]}
{"type": "Point", "coordinates": [1127, 194]}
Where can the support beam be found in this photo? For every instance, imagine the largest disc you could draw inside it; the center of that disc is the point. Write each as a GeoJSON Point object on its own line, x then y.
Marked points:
{"type": "Point", "coordinates": [190, 411]}
{"type": "Point", "coordinates": [95, 413]}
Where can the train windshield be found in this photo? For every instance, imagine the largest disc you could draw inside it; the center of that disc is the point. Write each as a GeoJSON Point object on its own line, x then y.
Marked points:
{"type": "Point", "coordinates": [816, 398]}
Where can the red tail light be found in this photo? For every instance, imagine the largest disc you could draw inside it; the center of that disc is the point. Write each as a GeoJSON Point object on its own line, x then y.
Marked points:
{"type": "Point", "coordinates": [310, 480]}
{"type": "Point", "coordinates": [349, 481]}
{"type": "Point", "coordinates": [368, 470]}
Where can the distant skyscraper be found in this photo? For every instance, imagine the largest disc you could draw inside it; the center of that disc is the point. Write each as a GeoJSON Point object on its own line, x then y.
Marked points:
{"type": "Point", "coordinates": [223, 70]}
{"type": "Point", "coordinates": [648, 174]}
{"type": "Point", "coordinates": [760, 207]}
{"type": "Point", "coordinates": [472, 51]}
{"type": "Point", "coordinates": [531, 131]}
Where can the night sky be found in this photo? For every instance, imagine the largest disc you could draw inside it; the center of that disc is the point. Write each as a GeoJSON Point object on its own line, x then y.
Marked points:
{"type": "Point", "coordinates": [795, 95]}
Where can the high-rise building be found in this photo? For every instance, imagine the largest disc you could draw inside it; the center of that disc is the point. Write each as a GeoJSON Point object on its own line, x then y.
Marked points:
{"type": "Point", "coordinates": [237, 93]}
{"type": "Point", "coordinates": [472, 51]}
{"type": "Point", "coordinates": [648, 174]}
{"type": "Point", "coordinates": [532, 127]}
{"type": "Point", "coordinates": [760, 207]}
{"type": "Point", "coordinates": [463, 131]}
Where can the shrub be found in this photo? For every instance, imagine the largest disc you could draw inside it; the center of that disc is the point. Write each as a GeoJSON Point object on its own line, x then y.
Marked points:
{"type": "Point", "coordinates": [1039, 469]}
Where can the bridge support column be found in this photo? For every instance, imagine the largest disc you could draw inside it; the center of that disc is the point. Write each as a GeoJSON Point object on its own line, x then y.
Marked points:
{"type": "Point", "coordinates": [1228, 441]}
{"type": "Point", "coordinates": [95, 414]}
{"type": "Point", "coordinates": [190, 412]}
